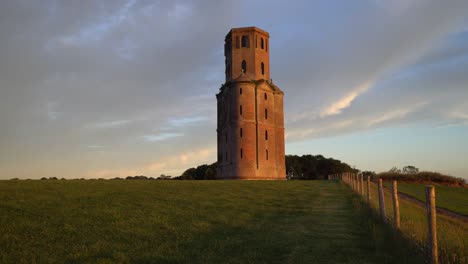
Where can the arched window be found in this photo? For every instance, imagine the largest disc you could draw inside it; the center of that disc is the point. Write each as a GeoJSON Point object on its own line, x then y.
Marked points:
{"type": "Point", "coordinates": [261, 43]}
{"type": "Point", "coordinates": [266, 113]}
{"type": "Point", "coordinates": [242, 153]}
{"type": "Point", "coordinates": [265, 96]}
{"type": "Point", "coordinates": [266, 134]}
{"type": "Point", "coordinates": [262, 66]}
{"type": "Point", "coordinates": [266, 154]}
{"type": "Point", "coordinates": [244, 66]}
{"type": "Point", "coordinates": [240, 90]}
{"type": "Point", "coordinates": [240, 109]}
{"type": "Point", "coordinates": [240, 132]}
{"type": "Point", "coordinates": [245, 41]}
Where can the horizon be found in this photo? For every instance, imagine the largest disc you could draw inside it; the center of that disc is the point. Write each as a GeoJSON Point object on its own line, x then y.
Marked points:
{"type": "Point", "coordinates": [120, 88]}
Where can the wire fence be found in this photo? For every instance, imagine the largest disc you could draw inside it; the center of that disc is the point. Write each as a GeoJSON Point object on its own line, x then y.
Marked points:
{"type": "Point", "coordinates": [420, 224]}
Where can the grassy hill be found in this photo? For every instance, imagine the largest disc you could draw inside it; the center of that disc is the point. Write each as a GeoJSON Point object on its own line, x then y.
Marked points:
{"type": "Point", "coordinates": [449, 197]}
{"type": "Point", "coordinates": [192, 222]}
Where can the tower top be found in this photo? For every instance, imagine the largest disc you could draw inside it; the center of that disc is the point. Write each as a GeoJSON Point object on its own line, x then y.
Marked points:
{"type": "Point", "coordinates": [247, 29]}
{"type": "Point", "coordinates": [246, 52]}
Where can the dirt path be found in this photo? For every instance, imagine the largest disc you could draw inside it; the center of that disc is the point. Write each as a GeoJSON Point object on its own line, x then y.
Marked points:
{"type": "Point", "coordinates": [442, 211]}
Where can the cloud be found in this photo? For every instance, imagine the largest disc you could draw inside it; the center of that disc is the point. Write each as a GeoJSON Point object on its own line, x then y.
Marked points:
{"type": "Point", "coordinates": [172, 165]}
{"type": "Point", "coordinates": [185, 121]}
{"type": "Point", "coordinates": [343, 103]}
{"type": "Point", "coordinates": [134, 76]}
{"type": "Point", "coordinates": [459, 113]}
{"type": "Point", "coordinates": [52, 113]}
{"type": "Point", "coordinates": [161, 137]}
{"type": "Point", "coordinates": [108, 124]}
{"type": "Point", "coordinates": [316, 131]}
{"type": "Point", "coordinates": [177, 163]}
{"type": "Point", "coordinates": [399, 113]}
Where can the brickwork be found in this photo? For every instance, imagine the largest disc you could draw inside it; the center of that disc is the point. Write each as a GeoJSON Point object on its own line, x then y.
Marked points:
{"type": "Point", "coordinates": [250, 111]}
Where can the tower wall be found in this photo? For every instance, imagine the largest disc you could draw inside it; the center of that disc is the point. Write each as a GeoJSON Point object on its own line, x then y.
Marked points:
{"type": "Point", "coordinates": [250, 111]}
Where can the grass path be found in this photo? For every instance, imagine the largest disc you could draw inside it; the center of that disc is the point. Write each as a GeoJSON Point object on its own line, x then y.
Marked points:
{"type": "Point", "coordinates": [448, 197]}
{"type": "Point", "coordinates": [191, 222]}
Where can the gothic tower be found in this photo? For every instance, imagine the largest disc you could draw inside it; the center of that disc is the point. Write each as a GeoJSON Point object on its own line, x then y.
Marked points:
{"type": "Point", "coordinates": [250, 111]}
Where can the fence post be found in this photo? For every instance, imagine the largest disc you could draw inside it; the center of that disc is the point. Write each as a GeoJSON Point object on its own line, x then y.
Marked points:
{"type": "Point", "coordinates": [431, 220]}
{"type": "Point", "coordinates": [361, 184]}
{"type": "Point", "coordinates": [396, 205]}
{"type": "Point", "coordinates": [368, 190]}
{"type": "Point", "coordinates": [354, 181]}
{"type": "Point", "coordinates": [382, 201]}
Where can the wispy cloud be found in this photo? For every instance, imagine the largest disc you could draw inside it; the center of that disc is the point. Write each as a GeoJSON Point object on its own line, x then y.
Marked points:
{"type": "Point", "coordinates": [108, 124]}
{"type": "Point", "coordinates": [185, 121]}
{"type": "Point", "coordinates": [396, 114]}
{"type": "Point", "coordinates": [323, 130]}
{"type": "Point", "coordinates": [337, 107]}
{"type": "Point", "coordinates": [161, 136]}
{"type": "Point", "coordinates": [52, 113]}
{"type": "Point", "coordinates": [460, 113]}
{"type": "Point", "coordinates": [96, 32]}
{"type": "Point", "coordinates": [172, 164]}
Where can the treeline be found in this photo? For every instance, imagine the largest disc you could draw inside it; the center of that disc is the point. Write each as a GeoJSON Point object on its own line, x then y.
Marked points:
{"type": "Point", "coordinates": [202, 172]}
{"type": "Point", "coordinates": [310, 167]}
{"type": "Point", "coordinates": [306, 167]}
{"type": "Point", "coordinates": [414, 175]}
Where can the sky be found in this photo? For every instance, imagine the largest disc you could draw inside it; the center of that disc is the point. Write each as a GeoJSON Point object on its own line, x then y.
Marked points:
{"type": "Point", "coordinates": [111, 88]}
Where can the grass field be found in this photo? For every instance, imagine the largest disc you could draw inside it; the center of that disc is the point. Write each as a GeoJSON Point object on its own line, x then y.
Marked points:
{"type": "Point", "coordinates": [192, 222]}
{"type": "Point", "coordinates": [452, 198]}
{"type": "Point", "coordinates": [452, 233]}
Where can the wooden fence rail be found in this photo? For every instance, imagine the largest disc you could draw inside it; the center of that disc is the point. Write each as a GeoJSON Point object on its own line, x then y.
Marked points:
{"type": "Point", "coordinates": [356, 183]}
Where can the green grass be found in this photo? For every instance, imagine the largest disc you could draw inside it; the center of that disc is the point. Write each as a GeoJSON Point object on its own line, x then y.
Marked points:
{"type": "Point", "coordinates": [192, 222]}
{"type": "Point", "coordinates": [452, 233]}
{"type": "Point", "coordinates": [452, 198]}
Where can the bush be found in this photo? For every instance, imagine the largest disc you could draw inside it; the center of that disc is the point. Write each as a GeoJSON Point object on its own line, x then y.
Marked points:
{"type": "Point", "coordinates": [424, 176]}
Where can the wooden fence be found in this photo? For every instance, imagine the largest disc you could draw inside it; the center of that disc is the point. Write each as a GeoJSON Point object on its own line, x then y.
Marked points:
{"type": "Point", "coordinates": [356, 183]}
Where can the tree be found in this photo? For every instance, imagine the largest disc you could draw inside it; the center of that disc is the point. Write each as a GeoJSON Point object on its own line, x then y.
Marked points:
{"type": "Point", "coordinates": [367, 174]}
{"type": "Point", "coordinates": [410, 170]}
{"type": "Point", "coordinates": [310, 167]}
{"type": "Point", "coordinates": [164, 177]}
{"type": "Point", "coordinates": [395, 170]}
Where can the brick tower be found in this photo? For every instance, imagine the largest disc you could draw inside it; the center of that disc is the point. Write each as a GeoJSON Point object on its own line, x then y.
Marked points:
{"type": "Point", "coordinates": [250, 111]}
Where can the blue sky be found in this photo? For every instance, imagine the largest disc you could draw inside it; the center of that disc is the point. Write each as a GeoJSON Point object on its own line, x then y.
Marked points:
{"type": "Point", "coordinates": [127, 87]}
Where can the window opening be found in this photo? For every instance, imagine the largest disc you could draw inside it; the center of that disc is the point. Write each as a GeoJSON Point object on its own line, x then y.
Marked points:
{"type": "Point", "coordinates": [245, 42]}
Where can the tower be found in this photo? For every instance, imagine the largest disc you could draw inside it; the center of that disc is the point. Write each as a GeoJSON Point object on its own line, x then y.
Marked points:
{"type": "Point", "coordinates": [250, 126]}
